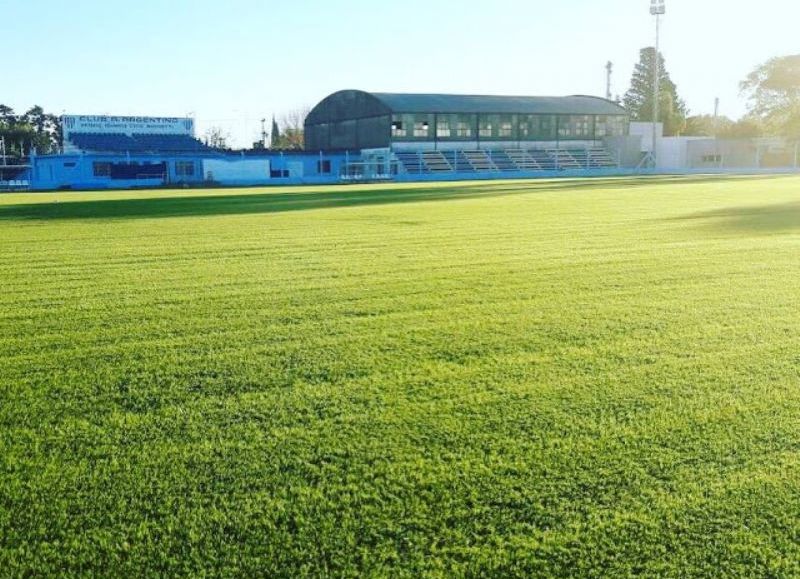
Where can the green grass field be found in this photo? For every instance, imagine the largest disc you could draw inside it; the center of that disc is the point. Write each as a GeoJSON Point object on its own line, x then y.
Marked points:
{"type": "Point", "coordinates": [508, 379]}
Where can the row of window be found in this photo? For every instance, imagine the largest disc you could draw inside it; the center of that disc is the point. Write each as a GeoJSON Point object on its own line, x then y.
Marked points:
{"type": "Point", "coordinates": [129, 171]}
{"type": "Point", "coordinates": [107, 169]}
{"type": "Point", "coordinates": [182, 169]}
{"type": "Point", "coordinates": [510, 127]}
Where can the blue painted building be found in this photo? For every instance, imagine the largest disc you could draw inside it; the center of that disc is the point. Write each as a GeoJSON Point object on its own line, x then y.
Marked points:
{"type": "Point", "coordinates": [102, 152]}
{"type": "Point", "coordinates": [108, 170]}
{"type": "Point", "coordinates": [355, 136]}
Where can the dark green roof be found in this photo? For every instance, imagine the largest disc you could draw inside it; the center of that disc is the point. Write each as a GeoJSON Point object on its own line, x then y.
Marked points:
{"type": "Point", "coordinates": [355, 104]}
{"type": "Point", "coordinates": [445, 103]}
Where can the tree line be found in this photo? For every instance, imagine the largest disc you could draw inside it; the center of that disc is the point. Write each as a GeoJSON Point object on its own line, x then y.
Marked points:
{"type": "Point", "coordinates": [33, 130]}
{"type": "Point", "coordinates": [772, 91]}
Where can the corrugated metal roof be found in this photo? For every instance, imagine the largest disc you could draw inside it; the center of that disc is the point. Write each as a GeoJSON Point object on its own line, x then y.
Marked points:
{"type": "Point", "coordinates": [446, 103]}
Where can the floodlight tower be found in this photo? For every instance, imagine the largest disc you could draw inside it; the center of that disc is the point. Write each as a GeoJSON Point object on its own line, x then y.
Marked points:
{"type": "Point", "coordinates": [657, 9]}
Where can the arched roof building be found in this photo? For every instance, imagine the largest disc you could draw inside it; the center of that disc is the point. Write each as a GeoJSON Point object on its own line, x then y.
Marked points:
{"type": "Point", "coordinates": [356, 120]}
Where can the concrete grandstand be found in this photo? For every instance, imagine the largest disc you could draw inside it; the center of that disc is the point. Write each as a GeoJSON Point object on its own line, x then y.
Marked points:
{"type": "Point", "coordinates": [419, 134]}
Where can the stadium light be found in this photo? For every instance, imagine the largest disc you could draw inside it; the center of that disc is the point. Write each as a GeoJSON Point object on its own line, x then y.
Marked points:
{"type": "Point", "coordinates": [657, 8]}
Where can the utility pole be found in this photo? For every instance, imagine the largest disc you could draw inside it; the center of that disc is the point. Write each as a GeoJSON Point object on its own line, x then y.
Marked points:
{"type": "Point", "coordinates": [264, 132]}
{"type": "Point", "coordinates": [716, 131]}
{"type": "Point", "coordinates": [657, 9]}
{"type": "Point", "coordinates": [609, 72]}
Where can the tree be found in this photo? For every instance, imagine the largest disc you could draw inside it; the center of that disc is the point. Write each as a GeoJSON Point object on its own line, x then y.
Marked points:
{"type": "Point", "coordinates": [707, 126]}
{"type": "Point", "coordinates": [748, 127]}
{"type": "Point", "coordinates": [6, 113]}
{"type": "Point", "coordinates": [292, 132]}
{"type": "Point", "coordinates": [774, 93]}
{"type": "Point", "coordinates": [216, 138]}
{"type": "Point", "coordinates": [47, 128]}
{"type": "Point", "coordinates": [33, 131]}
{"type": "Point", "coordinates": [275, 135]}
{"type": "Point", "coordinates": [639, 99]}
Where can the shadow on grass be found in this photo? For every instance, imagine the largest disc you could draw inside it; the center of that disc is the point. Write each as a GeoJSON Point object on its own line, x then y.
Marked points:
{"type": "Point", "coordinates": [335, 196]}
{"type": "Point", "coordinates": [781, 218]}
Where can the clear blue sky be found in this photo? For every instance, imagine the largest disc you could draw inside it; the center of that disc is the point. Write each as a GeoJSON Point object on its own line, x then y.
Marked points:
{"type": "Point", "coordinates": [231, 63]}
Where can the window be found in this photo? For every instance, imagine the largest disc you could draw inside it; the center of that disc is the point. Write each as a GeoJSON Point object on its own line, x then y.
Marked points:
{"type": "Point", "coordinates": [398, 129]}
{"type": "Point", "coordinates": [412, 126]}
{"type": "Point", "coordinates": [575, 127]}
{"type": "Point", "coordinates": [184, 168]}
{"type": "Point", "coordinates": [129, 171]}
{"type": "Point", "coordinates": [601, 127]}
{"type": "Point", "coordinates": [462, 126]}
{"type": "Point", "coordinates": [564, 127]}
{"type": "Point", "coordinates": [454, 126]}
{"type": "Point", "coordinates": [505, 126]}
{"type": "Point", "coordinates": [583, 126]}
{"type": "Point", "coordinates": [101, 169]}
{"type": "Point", "coordinates": [547, 128]}
{"type": "Point", "coordinates": [717, 159]}
{"type": "Point", "coordinates": [528, 126]}
{"type": "Point", "coordinates": [609, 126]}
{"type": "Point", "coordinates": [422, 129]}
{"type": "Point", "coordinates": [463, 130]}
{"type": "Point", "coordinates": [324, 166]}
{"type": "Point", "coordinates": [536, 128]}
{"type": "Point", "coordinates": [443, 129]}
{"type": "Point", "coordinates": [497, 126]}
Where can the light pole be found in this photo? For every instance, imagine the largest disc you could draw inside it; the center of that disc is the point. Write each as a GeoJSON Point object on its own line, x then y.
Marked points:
{"type": "Point", "coordinates": [657, 9]}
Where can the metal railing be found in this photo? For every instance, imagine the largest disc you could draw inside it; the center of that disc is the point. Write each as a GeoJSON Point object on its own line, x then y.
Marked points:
{"type": "Point", "coordinates": [502, 160]}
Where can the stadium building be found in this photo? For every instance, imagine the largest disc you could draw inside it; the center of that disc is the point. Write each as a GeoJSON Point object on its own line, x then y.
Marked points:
{"type": "Point", "coordinates": [433, 133]}
{"type": "Point", "coordinates": [352, 136]}
{"type": "Point", "coordinates": [106, 152]}
{"type": "Point", "coordinates": [359, 136]}
{"type": "Point", "coordinates": [359, 120]}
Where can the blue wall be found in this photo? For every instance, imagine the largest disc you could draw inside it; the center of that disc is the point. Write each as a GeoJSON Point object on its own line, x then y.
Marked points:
{"type": "Point", "coordinates": [77, 171]}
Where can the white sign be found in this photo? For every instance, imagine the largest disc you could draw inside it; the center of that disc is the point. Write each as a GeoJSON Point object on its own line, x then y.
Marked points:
{"type": "Point", "coordinates": [127, 125]}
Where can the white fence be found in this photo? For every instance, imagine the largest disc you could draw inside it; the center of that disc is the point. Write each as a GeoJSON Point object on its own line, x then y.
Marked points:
{"type": "Point", "coordinates": [16, 185]}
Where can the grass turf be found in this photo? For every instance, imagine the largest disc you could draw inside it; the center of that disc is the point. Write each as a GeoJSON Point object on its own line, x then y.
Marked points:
{"type": "Point", "coordinates": [569, 378]}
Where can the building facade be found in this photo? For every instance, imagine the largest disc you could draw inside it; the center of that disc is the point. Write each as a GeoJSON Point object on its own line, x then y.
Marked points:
{"type": "Point", "coordinates": [108, 152]}
{"type": "Point", "coordinates": [356, 120]}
